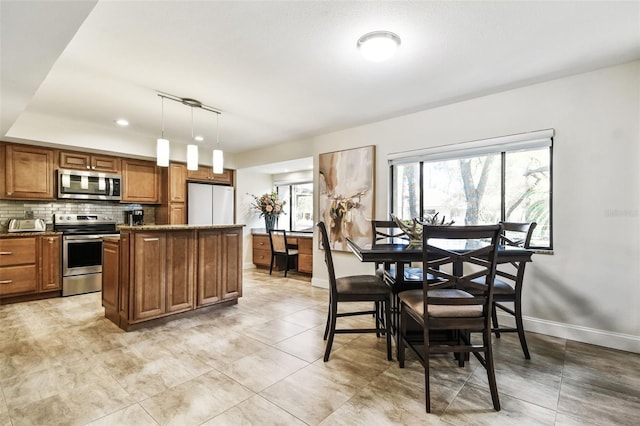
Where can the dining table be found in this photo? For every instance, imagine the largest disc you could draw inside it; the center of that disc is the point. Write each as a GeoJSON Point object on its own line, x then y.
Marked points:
{"type": "Point", "coordinates": [401, 253]}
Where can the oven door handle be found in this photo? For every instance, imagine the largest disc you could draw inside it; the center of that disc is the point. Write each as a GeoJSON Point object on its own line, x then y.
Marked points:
{"type": "Point", "coordinates": [83, 237]}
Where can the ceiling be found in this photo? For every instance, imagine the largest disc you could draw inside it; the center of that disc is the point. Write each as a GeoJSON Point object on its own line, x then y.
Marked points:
{"type": "Point", "coordinates": [280, 71]}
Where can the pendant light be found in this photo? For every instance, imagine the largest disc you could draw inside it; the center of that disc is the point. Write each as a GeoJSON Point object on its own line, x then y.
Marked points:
{"type": "Point", "coordinates": [162, 145]}
{"type": "Point", "coordinates": [218, 155]}
{"type": "Point", "coordinates": [192, 150]}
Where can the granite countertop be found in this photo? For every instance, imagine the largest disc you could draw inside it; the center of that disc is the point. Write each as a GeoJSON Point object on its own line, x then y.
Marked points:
{"type": "Point", "coordinates": [29, 234]}
{"type": "Point", "coordinates": [175, 227]}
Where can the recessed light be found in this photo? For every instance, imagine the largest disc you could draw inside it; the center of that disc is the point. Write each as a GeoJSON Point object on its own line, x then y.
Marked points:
{"type": "Point", "coordinates": [378, 46]}
{"type": "Point", "coordinates": [122, 122]}
{"type": "Point", "coordinates": [199, 138]}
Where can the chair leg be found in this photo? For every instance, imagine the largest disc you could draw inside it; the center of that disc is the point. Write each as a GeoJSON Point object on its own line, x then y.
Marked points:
{"type": "Point", "coordinates": [427, 387]}
{"type": "Point", "coordinates": [271, 264]}
{"type": "Point", "coordinates": [494, 320]}
{"type": "Point", "coordinates": [286, 265]}
{"type": "Point", "coordinates": [491, 375]}
{"type": "Point", "coordinates": [326, 327]}
{"type": "Point", "coordinates": [401, 331]}
{"type": "Point", "coordinates": [332, 329]}
{"type": "Point", "coordinates": [387, 324]}
{"type": "Point", "coordinates": [376, 308]}
{"type": "Point", "coordinates": [520, 327]}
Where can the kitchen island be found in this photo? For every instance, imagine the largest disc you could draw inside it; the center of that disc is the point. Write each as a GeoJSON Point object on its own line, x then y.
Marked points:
{"type": "Point", "coordinates": [154, 273]}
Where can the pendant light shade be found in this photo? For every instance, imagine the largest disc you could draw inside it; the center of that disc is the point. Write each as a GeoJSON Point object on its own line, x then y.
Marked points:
{"type": "Point", "coordinates": [218, 155]}
{"type": "Point", "coordinates": [218, 161]}
{"type": "Point", "coordinates": [162, 145]}
{"type": "Point", "coordinates": [162, 152]}
{"type": "Point", "coordinates": [192, 157]}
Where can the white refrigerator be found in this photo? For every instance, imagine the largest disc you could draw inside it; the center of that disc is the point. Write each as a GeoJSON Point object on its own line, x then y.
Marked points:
{"type": "Point", "coordinates": [209, 204]}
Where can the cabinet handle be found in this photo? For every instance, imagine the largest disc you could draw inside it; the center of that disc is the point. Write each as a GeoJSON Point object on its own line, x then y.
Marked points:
{"type": "Point", "coordinates": [88, 167]}
{"type": "Point", "coordinates": [261, 243]}
{"type": "Point", "coordinates": [151, 239]}
{"type": "Point", "coordinates": [6, 282]}
{"type": "Point", "coordinates": [5, 253]}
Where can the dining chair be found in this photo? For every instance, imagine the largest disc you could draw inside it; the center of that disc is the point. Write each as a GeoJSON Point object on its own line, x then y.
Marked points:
{"type": "Point", "coordinates": [354, 288]}
{"type": "Point", "coordinates": [509, 280]}
{"type": "Point", "coordinates": [456, 255]}
{"type": "Point", "coordinates": [280, 247]}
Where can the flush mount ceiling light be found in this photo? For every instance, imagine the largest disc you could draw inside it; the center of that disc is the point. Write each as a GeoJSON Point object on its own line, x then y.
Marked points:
{"type": "Point", "coordinates": [122, 122]}
{"type": "Point", "coordinates": [192, 149]}
{"type": "Point", "coordinates": [378, 46]}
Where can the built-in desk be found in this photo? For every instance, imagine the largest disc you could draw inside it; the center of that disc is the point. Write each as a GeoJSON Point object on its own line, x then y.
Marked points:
{"type": "Point", "coordinates": [262, 250]}
{"type": "Point", "coordinates": [155, 272]}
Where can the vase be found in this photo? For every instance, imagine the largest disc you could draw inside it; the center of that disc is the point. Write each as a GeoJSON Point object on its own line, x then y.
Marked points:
{"type": "Point", "coordinates": [270, 222]}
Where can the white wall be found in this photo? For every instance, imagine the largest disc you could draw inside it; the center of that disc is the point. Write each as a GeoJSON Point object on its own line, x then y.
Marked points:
{"type": "Point", "coordinates": [589, 289]}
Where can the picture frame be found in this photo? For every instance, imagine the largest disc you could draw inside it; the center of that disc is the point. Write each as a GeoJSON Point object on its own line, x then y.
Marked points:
{"type": "Point", "coordinates": [346, 196]}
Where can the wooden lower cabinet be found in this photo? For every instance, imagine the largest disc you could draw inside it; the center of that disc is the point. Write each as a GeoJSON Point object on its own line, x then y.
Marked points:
{"type": "Point", "coordinates": [50, 263]}
{"type": "Point", "coordinates": [262, 252]}
{"type": "Point", "coordinates": [219, 266]}
{"type": "Point", "coordinates": [30, 267]}
{"type": "Point", "coordinates": [149, 275]}
{"type": "Point", "coordinates": [165, 271]}
{"type": "Point", "coordinates": [180, 270]}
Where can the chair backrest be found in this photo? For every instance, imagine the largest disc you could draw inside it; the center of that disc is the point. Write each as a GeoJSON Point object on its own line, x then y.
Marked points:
{"type": "Point", "coordinates": [328, 259]}
{"type": "Point", "coordinates": [383, 229]}
{"type": "Point", "coordinates": [517, 233]}
{"type": "Point", "coordinates": [278, 241]}
{"type": "Point", "coordinates": [467, 253]}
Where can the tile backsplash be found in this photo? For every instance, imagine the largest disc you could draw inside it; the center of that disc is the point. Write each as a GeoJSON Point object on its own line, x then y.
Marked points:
{"type": "Point", "coordinates": [10, 209]}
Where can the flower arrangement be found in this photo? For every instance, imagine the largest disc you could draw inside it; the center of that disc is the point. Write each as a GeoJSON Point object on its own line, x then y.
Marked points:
{"type": "Point", "coordinates": [268, 204]}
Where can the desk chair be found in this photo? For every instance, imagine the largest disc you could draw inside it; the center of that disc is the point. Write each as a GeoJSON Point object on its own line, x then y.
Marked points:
{"type": "Point", "coordinates": [355, 288]}
{"type": "Point", "coordinates": [447, 305]}
{"type": "Point", "coordinates": [280, 247]}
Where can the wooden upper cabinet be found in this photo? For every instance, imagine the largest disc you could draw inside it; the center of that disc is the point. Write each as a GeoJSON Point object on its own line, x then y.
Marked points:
{"type": "Point", "coordinates": [177, 183]}
{"type": "Point", "coordinates": [92, 162]}
{"type": "Point", "coordinates": [29, 172]}
{"type": "Point", "coordinates": [141, 182]}
{"type": "Point", "coordinates": [205, 174]}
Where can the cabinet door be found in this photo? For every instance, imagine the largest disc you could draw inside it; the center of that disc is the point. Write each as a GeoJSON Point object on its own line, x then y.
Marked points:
{"type": "Point", "coordinates": [261, 250]}
{"type": "Point", "coordinates": [177, 214]}
{"type": "Point", "coordinates": [177, 183]}
{"type": "Point", "coordinates": [203, 173]}
{"type": "Point", "coordinates": [28, 173]}
{"type": "Point", "coordinates": [231, 262]}
{"type": "Point", "coordinates": [209, 267]}
{"type": "Point", "coordinates": [141, 182]}
{"type": "Point", "coordinates": [226, 177]}
{"type": "Point", "coordinates": [149, 275]}
{"type": "Point", "coordinates": [110, 278]}
{"type": "Point", "coordinates": [18, 279]}
{"type": "Point", "coordinates": [180, 271]}
{"type": "Point", "coordinates": [75, 160]}
{"type": "Point", "coordinates": [104, 163]}
{"type": "Point", "coordinates": [305, 255]}
{"type": "Point", "coordinates": [50, 263]}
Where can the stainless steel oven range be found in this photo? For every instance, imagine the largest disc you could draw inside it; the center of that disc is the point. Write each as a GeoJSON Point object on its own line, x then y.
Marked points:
{"type": "Point", "coordinates": [82, 250]}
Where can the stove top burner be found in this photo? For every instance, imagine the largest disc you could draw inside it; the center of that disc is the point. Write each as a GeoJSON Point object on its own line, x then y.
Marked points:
{"type": "Point", "coordinates": [84, 224]}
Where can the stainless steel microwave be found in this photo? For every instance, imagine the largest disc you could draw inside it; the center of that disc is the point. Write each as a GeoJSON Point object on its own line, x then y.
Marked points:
{"type": "Point", "coordinates": [83, 185]}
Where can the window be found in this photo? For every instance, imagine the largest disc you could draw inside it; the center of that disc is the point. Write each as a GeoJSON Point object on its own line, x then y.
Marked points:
{"type": "Point", "coordinates": [299, 207]}
{"type": "Point", "coordinates": [481, 182]}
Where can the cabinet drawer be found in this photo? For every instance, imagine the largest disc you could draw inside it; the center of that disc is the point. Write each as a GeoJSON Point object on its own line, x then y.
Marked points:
{"type": "Point", "coordinates": [261, 242]}
{"type": "Point", "coordinates": [305, 245]}
{"type": "Point", "coordinates": [17, 279]}
{"type": "Point", "coordinates": [17, 251]}
{"type": "Point", "coordinates": [305, 263]}
{"type": "Point", "coordinates": [261, 257]}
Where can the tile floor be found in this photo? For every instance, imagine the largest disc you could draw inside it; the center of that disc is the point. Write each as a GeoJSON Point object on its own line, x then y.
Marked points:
{"type": "Point", "coordinates": [260, 362]}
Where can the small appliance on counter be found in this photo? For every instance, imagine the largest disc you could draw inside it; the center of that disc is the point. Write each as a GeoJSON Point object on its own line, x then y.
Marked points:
{"type": "Point", "coordinates": [134, 217]}
{"type": "Point", "coordinates": [26, 225]}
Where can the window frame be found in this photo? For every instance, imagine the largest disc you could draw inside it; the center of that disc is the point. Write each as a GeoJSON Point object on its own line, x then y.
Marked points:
{"type": "Point", "coordinates": [289, 201]}
{"type": "Point", "coordinates": [513, 143]}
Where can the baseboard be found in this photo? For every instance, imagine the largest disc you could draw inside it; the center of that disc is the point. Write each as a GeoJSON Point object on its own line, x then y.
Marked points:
{"type": "Point", "coordinates": [609, 339]}
{"type": "Point", "coordinates": [248, 265]}
{"type": "Point", "coordinates": [317, 282]}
